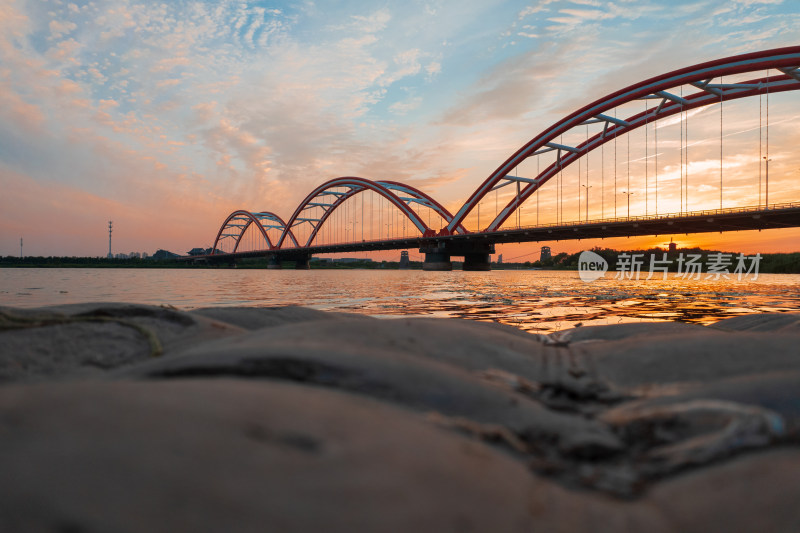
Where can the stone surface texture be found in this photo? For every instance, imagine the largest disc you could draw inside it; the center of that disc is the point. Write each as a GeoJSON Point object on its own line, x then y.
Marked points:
{"type": "Point", "coordinates": [120, 417]}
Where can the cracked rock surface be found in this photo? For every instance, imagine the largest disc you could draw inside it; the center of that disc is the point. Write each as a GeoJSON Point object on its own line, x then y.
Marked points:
{"type": "Point", "coordinates": [119, 417]}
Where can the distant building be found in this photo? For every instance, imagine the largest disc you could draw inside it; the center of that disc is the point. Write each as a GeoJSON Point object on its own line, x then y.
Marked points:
{"type": "Point", "coordinates": [160, 255]}
{"type": "Point", "coordinates": [352, 260]}
{"type": "Point", "coordinates": [545, 253]}
{"type": "Point", "coordinates": [500, 259]}
{"type": "Point", "coordinates": [134, 255]}
{"type": "Point", "coordinates": [404, 262]}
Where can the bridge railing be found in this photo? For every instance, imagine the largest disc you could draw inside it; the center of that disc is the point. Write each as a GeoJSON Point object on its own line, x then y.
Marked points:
{"type": "Point", "coordinates": [635, 218]}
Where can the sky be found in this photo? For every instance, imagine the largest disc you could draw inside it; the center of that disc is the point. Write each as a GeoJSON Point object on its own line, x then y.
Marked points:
{"type": "Point", "coordinates": [166, 117]}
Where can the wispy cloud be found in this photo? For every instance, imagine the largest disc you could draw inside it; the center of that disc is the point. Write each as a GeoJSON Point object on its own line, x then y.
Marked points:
{"type": "Point", "coordinates": [173, 113]}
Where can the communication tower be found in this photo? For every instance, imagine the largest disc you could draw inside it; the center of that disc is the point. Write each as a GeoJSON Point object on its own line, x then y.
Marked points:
{"type": "Point", "coordinates": [110, 225]}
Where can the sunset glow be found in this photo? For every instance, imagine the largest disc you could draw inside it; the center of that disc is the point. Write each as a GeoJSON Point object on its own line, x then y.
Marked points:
{"type": "Point", "coordinates": [166, 118]}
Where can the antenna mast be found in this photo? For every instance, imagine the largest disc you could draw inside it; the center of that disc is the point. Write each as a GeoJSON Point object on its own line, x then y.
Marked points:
{"type": "Point", "coordinates": [110, 224]}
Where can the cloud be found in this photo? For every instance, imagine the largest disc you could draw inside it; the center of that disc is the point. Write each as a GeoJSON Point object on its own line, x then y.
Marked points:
{"type": "Point", "coordinates": [508, 90]}
{"type": "Point", "coordinates": [60, 28]}
{"type": "Point", "coordinates": [170, 63]}
{"type": "Point", "coordinates": [371, 23]}
{"type": "Point", "coordinates": [28, 209]}
{"type": "Point", "coordinates": [65, 51]}
{"type": "Point", "coordinates": [433, 68]}
{"type": "Point", "coordinates": [403, 107]}
{"type": "Point", "coordinates": [25, 116]}
{"type": "Point", "coordinates": [211, 106]}
{"type": "Point", "coordinates": [532, 10]}
{"type": "Point", "coordinates": [407, 65]}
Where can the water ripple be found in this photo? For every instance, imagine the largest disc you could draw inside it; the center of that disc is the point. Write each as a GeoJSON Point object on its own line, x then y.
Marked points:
{"type": "Point", "coordinates": [537, 301]}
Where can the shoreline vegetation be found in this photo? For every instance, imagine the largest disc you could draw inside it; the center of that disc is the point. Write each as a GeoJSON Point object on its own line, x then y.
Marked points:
{"type": "Point", "coordinates": [774, 263]}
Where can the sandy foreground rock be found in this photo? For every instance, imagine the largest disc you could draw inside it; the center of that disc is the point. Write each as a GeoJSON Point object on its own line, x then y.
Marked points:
{"type": "Point", "coordinates": [119, 417]}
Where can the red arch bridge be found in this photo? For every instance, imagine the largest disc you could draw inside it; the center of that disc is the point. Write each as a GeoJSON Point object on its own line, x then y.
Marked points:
{"type": "Point", "coordinates": [689, 151]}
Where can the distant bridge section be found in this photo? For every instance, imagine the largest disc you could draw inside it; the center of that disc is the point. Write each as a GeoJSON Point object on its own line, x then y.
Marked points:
{"type": "Point", "coordinates": [476, 247]}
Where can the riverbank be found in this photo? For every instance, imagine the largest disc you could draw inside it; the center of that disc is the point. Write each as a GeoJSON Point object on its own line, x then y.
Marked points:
{"type": "Point", "coordinates": [779, 263]}
{"type": "Point", "coordinates": [129, 417]}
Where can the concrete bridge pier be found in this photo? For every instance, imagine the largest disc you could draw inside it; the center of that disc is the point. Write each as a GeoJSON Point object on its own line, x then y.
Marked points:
{"type": "Point", "coordinates": [477, 262]}
{"type": "Point", "coordinates": [476, 255]}
{"type": "Point", "coordinates": [437, 261]}
{"type": "Point", "coordinates": [302, 262]}
{"type": "Point", "coordinates": [273, 263]}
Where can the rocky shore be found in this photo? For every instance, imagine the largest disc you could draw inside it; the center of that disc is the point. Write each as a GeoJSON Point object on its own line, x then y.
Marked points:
{"type": "Point", "coordinates": [119, 417]}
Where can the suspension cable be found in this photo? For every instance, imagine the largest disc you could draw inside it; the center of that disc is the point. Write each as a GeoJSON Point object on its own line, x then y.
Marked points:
{"type": "Point", "coordinates": [766, 192]}
{"type": "Point", "coordinates": [587, 173]}
{"type": "Point", "coordinates": [680, 148]}
{"type": "Point", "coordinates": [629, 170]}
{"type": "Point", "coordinates": [579, 188]}
{"type": "Point", "coordinates": [519, 207]}
{"type": "Point", "coordinates": [561, 184]}
{"type": "Point", "coordinates": [646, 155]}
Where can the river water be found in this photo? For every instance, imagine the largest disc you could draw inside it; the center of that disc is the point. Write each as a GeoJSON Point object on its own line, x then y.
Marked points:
{"type": "Point", "coordinates": [534, 300]}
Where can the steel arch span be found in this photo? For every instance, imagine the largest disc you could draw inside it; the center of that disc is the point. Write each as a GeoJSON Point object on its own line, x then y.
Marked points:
{"type": "Point", "coordinates": [785, 60]}
{"type": "Point", "coordinates": [414, 195]}
{"type": "Point", "coordinates": [239, 221]}
{"type": "Point", "coordinates": [328, 199]}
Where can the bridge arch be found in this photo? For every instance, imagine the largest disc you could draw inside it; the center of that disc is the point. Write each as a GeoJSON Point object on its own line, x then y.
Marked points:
{"type": "Point", "coordinates": [354, 185]}
{"type": "Point", "coordinates": [239, 221]}
{"type": "Point", "coordinates": [417, 196]}
{"type": "Point", "coordinates": [785, 60]}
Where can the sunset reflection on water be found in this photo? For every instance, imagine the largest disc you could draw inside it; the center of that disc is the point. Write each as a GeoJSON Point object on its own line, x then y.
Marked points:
{"type": "Point", "coordinates": [538, 301]}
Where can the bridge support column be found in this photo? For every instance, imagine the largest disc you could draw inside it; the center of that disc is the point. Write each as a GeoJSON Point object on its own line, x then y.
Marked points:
{"type": "Point", "coordinates": [476, 254]}
{"type": "Point", "coordinates": [437, 261]}
{"type": "Point", "coordinates": [301, 263]}
{"type": "Point", "coordinates": [273, 263]}
{"type": "Point", "coordinates": [477, 262]}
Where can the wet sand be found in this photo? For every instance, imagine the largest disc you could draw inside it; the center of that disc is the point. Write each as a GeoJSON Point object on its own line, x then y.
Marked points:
{"type": "Point", "coordinates": [118, 417]}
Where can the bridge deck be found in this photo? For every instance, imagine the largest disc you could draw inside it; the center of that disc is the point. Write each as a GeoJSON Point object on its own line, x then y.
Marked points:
{"type": "Point", "coordinates": [719, 220]}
